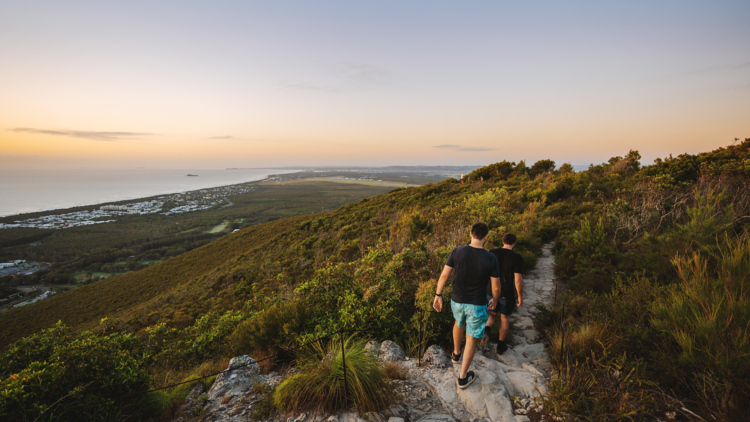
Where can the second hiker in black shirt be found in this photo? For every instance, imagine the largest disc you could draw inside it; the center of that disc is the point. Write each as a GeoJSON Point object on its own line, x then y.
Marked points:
{"type": "Point", "coordinates": [511, 289]}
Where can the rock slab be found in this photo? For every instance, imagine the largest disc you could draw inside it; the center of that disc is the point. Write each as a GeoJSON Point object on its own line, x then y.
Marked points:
{"type": "Point", "coordinates": [242, 372]}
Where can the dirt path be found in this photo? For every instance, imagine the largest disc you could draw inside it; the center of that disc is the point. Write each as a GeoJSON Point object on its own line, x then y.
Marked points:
{"type": "Point", "coordinates": [539, 287]}
{"type": "Point", "coordinates": [508, 386]}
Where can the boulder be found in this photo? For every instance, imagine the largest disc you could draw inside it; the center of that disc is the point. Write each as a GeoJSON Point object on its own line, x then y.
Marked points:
{"type": "Point", "coordinates": [527, 384]}
{"type": "Point", "coordinates": [372, 347]}
{"type": "Point", "coordinates": [531, 352]}
{"type": "Point", "coordinates": [487, 397]}
{"type": "Point", "coordinates": [435, 357]}
{"type": "Point", "coordinates": [390, 351]}
{"type": "Point", "coordinates": [534, 370]}
{"type": "Point", "coordinates": [242, 372]}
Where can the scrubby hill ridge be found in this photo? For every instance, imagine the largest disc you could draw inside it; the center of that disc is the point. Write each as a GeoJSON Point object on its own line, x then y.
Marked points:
{"type": "Point", "coordinates": [625, 237]}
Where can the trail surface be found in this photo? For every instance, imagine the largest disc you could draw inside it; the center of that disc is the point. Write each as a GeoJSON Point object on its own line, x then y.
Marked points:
{"type": "Point", "coordinates": [507, 387]}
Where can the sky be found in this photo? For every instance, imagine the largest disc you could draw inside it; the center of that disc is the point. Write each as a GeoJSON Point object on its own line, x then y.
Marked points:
{"type": "Point", "coordinates": [172, 84]}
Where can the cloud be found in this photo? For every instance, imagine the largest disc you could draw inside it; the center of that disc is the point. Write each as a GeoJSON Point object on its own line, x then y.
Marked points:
{"type": "Point", "coordinates": [721, 68]}
{"type": "Point", "coordinates": [309, 87]}
{"type": "Point", "coordinates": [358, 72]}
{"type": "Point", "coordinates": [347, 77]}
{"type": "Point", "coordinates": [83, 134]}
{"type": "Point", "coordinates": [223, 137]}
{"type": "Point", "coordinates": [465, 149]}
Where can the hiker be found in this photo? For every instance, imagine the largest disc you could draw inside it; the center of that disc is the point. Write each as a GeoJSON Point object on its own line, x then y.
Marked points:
{"type": "Point", "coordinates": [511, 265]}
{"type": "Point", "coordinates": [474, 267]}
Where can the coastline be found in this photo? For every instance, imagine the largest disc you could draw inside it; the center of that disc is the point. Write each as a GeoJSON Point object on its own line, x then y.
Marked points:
{"type": "Point", "coordinates": [140, 197]}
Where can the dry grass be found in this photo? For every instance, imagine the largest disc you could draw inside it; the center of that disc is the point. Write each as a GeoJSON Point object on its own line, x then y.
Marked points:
{"type": "Point", "coordinates": [582, 340]}
{"type": "Point", "coordinates": [394, 371]}
{"type": "Point", "coordinates": [320, 384]}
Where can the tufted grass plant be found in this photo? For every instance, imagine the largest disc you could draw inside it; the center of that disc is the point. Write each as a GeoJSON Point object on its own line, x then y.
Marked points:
{"type": "Point", "coordinates": [708, 316]}
{"type": "Point", "coordinates": [319, 386]}
{"type": "Point", "coordinates": [581, 339]}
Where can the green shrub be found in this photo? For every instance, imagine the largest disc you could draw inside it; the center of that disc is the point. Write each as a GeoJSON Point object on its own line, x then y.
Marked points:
{"type": "Point", "coordinates": [320, 383]}
{"type": "Point", "coordinates": [58, 375]}
{"type": "Point", "coordinates": [269, 331]}
{"type": "Point", "coordinates": [210, 333]}
{"type": "Point", "coordinates": [708, 315]}
{"type": "Point", "coordinates": [587, 257]}
{"type": "Point", "coordinates": [612, 389]}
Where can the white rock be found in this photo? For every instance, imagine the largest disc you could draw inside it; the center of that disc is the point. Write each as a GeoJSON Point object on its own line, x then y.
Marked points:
{"type": "Point", "coordinates": [436, 418]}
{"type": "Point", "coordinates": [531, 352]}
{"type": "Point", "coordinates": [435, 357]}
{"type": "Point", "coordinates": [393, 419]}
{"type": "Point", "coordinates": [390, 351]}
{"type": "Point", "coordinates": [242, 372]}
{"type": "Point", "coordinates": [486, 397]}
{"type": "Point", "coordinates": [532, 369]}
{"type": "Point", "coordinates": [527, 384]}
{"type": "Point", "coordinates": [372, 347]}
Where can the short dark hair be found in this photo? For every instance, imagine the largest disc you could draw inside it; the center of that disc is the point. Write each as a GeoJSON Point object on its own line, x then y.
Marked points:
{"type": "Point", "coordinates": [509, 239]}
{"type": "Point", "coordinates": [479, 230]}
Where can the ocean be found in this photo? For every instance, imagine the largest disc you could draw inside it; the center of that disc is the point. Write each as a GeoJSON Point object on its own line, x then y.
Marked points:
{"type": "Point", "coordinates": [24, 191]}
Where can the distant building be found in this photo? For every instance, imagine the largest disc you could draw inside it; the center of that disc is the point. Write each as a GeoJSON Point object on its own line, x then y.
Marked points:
{"type": "Point", "coordinates": [19, 261]}
{"type": "Point", "coordinates": [6, 264]}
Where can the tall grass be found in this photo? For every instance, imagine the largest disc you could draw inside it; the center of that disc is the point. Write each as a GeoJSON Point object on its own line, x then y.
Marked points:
{"type": "Point", "coordinates": [708, 315]}
{"type": "Point", "coordinates": [581, 340]}
{"type": "Point", "coordinates": [320, 384]}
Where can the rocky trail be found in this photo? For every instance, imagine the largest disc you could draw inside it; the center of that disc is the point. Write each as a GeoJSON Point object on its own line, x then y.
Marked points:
{"type": "Point", "coordinates": [507, 387]}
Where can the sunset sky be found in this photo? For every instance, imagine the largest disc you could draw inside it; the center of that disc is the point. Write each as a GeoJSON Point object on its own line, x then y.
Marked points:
{"type": "Point", "coordinates": [283, 83]}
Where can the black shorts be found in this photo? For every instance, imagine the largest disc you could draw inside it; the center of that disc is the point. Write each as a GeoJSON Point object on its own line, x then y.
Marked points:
{"type": "Point", "coordinates": [503, 305]}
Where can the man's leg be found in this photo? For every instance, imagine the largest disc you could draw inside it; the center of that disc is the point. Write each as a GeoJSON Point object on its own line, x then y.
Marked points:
{"type": "Point", "coordinates": [471, 347]}
{"type": "Point", "coordinates": [504, 326]}
{"type": "Point", "coordinates": [491, 319]}
{"type": "Point", "coordinates": [490, 322]}
{"type": "Point", "coordinates": [458, 335]}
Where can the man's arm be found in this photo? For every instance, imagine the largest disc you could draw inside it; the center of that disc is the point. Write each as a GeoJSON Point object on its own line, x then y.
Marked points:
{"type": "Point", "coordinates": [495, 291]}
{"type": "Point", "coordinates": [438, 302]}
{"type": "Point", "coordinates": [519, 288]}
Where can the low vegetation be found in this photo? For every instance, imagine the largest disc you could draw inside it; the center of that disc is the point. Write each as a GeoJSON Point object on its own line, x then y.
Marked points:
{"type": "Point", "coordinates": [654, 259]}
{"type": "Point", "coordinates": [320, 386]}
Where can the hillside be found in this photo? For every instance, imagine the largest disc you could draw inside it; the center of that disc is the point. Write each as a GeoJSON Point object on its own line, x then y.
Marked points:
{"type": "Point", "coordinates": [634, 243]}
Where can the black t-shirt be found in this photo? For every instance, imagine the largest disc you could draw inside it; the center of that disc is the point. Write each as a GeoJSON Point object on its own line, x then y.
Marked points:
{"type": "Point", "coordinates": [510, 264]}
{"type": "Point", "coordinates": [474, 267]}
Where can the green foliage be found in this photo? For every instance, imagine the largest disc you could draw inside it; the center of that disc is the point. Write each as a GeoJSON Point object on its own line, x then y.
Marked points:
{"type": "Point", "coordinates": [271, 330]}
{"type": "Point", "coordinates": [708, 314]}
{"type": "Point", "coordinates": [372, 265]}
{"type": "Point", "coordinates": [586, 256]}
{"type": "Point", "coordinates": [320, 383]}
{"type": "Point", "coordinates": [541, 167]}
{"type": "Point", "coordinates": [614, 389]}
{"type": "Point", "coordinates": [58, 375]}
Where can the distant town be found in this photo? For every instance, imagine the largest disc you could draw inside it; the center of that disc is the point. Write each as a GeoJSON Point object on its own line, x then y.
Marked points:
{"type": "Point", "coordinates": [21, 267]}
{"type": "Point", "coordinates": [179, 203]}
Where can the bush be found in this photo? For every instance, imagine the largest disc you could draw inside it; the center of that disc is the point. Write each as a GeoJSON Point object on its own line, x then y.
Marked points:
{"type": "Point", "coordinates": [613, 389]}
{"type": "Point", "coordinates": [708, 315]}
{"type": "Point", "coordinates": [269, 331]}
{"type": "Point", "coordinates": [320, 383]}
{"type": "Point", "coordinates": [57, 375]}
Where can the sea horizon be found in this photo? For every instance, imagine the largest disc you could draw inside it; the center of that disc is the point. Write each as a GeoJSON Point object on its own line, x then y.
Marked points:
{"type": "Point", "coordinates": [24, 191]}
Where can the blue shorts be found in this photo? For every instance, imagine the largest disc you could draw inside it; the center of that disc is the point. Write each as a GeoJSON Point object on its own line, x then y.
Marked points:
{"type": "Point", "coordinates": [504, 306]}
{"type": "Point", "coordinates": [474, 317]}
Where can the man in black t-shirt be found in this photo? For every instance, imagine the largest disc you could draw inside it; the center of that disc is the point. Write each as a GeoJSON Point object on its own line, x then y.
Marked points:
{"type": "Point", "coordinates": [475, 268]}
{"type": "Point", "coordinates": [511, 289]}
